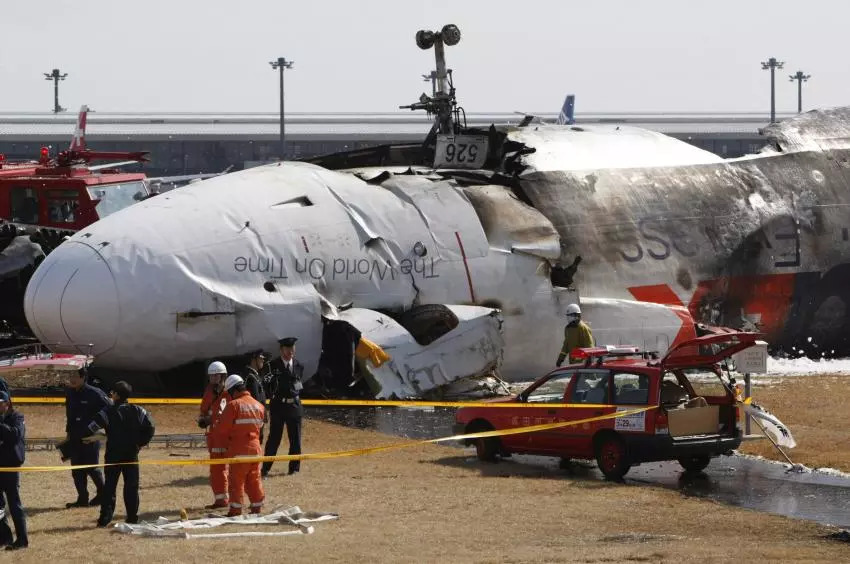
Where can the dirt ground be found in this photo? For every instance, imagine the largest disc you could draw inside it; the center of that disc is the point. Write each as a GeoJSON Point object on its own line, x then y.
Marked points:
{"type": "Point", "coordinates": [437, 503]}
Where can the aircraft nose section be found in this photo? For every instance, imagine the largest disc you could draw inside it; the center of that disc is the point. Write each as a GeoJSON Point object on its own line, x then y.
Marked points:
{"type": "Point", "coordinates": [72, 301]}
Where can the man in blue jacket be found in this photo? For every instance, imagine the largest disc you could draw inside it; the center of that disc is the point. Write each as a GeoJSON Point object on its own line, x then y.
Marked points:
{"type": "Point", "coordinates": [128, 428]}
{"type": "Point", "coordinates": [12, 435]}
{"type": "Point", "coordinates": [82, 402]}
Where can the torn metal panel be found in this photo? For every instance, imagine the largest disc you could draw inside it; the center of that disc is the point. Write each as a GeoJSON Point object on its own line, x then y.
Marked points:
{"type": "Point", "coordinates": [472, 349]}
{"type": "Point", "coordinates": [512, 225]}
{"type": "Point", "coordinates": [446, 211]}
{"type": "Point", "coordinates": [811, 131]}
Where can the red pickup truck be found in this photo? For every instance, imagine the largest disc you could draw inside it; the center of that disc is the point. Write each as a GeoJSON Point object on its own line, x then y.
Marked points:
{"type": "Point", "coordinates": [692, 413]}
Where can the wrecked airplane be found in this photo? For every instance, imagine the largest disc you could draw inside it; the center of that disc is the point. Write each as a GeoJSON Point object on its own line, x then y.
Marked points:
{"type": "Point", "coordinates": [656, 234]}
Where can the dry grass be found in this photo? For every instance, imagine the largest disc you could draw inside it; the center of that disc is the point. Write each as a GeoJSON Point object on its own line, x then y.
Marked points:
{"type": "Point", "coordinates": [422, 504]}
{"type": "Point", "coordinates": [816, 410]}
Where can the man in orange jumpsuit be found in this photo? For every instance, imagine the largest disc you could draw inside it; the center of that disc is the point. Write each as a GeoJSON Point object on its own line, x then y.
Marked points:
{"type": "Point", "coordinates": [239, 426]}
{"type": "Point", "coordinates": [215, 398]}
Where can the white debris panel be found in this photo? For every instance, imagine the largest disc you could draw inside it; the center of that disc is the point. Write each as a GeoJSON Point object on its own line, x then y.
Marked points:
{"type": "Point", "coordinates": [472, 349]}
{"type": "Point", "coordinates": [293, 516]}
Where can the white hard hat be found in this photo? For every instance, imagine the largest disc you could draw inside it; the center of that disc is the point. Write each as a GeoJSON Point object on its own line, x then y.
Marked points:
{"type": "Point", "coordinates": [216, 367]}
{"type": "Point", "coordinates": [232, 381]}
{"type": "Point", "coordinates": [573, 309]}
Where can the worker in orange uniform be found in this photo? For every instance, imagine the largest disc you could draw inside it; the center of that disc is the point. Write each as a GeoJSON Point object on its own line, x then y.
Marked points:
{"type": "Point", "coordinates": [239, 426]}
{"type": "Point", "coordinates": [213, 403]}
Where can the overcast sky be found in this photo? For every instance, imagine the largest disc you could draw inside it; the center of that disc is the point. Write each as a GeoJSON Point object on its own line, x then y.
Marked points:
{"type": "Point", "coordinates": [360, 55]}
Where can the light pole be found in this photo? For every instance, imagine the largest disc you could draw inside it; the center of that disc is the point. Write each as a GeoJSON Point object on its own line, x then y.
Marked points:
{"type": "Point", "coordinates": [55, 76]}
{"type": "Point", "coordinates": [282, 64]}
{"type": "Point", "coordinates": [772, 64]}
{"type": "Point", "coordinates": [800, 78]}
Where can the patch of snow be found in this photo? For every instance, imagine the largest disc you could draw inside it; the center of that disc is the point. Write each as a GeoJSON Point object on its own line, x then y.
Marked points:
{"type": "Point", "coordinates": [833, 472]}
{"type": "Point", "coordinates": [806, 366]}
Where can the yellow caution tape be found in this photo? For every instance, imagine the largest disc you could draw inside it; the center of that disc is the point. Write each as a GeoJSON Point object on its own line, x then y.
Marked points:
{"type": "Point", "coordinates": [342, 403]}
{"type": "Point", "coordinates": [144, 401]}
{"type": "Point", "coordinates": [339, 453]}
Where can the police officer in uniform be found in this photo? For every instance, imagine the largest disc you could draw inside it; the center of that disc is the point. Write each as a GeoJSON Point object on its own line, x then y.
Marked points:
{"type": "Point", "coordinates": [252, 375]}
{"type": "Point", "coordinates": [284, 390]}
{"type": "Point", "coordinates": [82, 402]}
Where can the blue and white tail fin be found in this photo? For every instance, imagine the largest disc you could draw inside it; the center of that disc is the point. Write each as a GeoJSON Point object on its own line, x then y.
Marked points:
{"type": "Point", "coordinates": [566, 117]}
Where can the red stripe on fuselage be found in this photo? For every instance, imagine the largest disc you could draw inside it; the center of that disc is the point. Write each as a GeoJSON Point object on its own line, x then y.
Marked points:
{"type": "Point", "coordinates": [662, 294]}
{"type": "Point", "coordinates": [764, 299]}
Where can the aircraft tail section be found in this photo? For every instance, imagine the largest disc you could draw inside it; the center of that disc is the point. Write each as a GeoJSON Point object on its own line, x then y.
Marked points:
{"type": "Point", "coordinates": [78, 141]}
{"type": "Point", "coordinates": [566, 117]}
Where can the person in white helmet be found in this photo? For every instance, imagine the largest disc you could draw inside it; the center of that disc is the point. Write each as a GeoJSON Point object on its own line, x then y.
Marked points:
{"type": "Point", "coordinates": [239, 427]}
{"type": "Point", "coordinates": [214, 401]}
{"type": "Point", "coordinates": [576, 334]}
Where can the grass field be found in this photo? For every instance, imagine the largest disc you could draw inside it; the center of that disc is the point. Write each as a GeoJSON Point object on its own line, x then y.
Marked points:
{"type": "Point", "coordinates": [435, 503]}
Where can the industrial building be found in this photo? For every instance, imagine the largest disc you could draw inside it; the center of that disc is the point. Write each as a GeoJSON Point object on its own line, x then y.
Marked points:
{"type": "Point", "coordinates": [188, 143]}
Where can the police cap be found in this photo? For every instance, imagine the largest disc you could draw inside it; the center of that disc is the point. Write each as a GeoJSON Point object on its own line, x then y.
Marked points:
{"type": "Point", "coordinates": [287, 342]}
{"type": "Point", "coordinates": [260, 353]}
{"type": "Point", "coordinates": [4, 396]}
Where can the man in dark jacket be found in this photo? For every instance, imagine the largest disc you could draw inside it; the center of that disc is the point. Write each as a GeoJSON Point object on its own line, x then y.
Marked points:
{"type": "Point", "coordinates": [284, 391]}
{"type": "Point", "coordinates": [128, 429]}
{"type": "Point", "coordinates": [12, 436]}
{"type": "Point", "coordinates": [82, 402]}
{"type": "Point", "coordinates": [252, 375]}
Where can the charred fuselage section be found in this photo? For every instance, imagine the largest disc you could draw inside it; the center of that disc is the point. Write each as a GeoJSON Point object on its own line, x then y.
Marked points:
{"type": "Point", "coordinates": [759, 242]}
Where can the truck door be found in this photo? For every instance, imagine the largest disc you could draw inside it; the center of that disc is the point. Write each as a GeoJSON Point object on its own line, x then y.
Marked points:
{"type": "Point", "coordinates": [589, 396]}
{"type": "Point", "coordinates": [551, 391]}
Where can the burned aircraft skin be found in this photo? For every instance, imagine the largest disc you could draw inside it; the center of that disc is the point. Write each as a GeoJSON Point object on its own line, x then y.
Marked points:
{"type": "Point", "coordinates": [759, 242]}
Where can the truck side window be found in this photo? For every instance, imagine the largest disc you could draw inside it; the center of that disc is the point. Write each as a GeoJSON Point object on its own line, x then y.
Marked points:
{"type": "Point", "coordinates": [24, 205]}
{"type": "Point", "coordinates": [591, 387]}
{"type": "Point", "coordinates": [551, 391]}
{"type": "Point", "coordinates": [631, 389]}
{"type": "Point", "coordinates": [62, 205]}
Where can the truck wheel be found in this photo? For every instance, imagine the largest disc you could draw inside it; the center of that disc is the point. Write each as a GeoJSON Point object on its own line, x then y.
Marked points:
{"type": "Point", "coordinates": [487, 448]}
{"type": "Point", "coordinates": [694, 463]}
{"type": "Point", "coordinates": [612, 458]}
